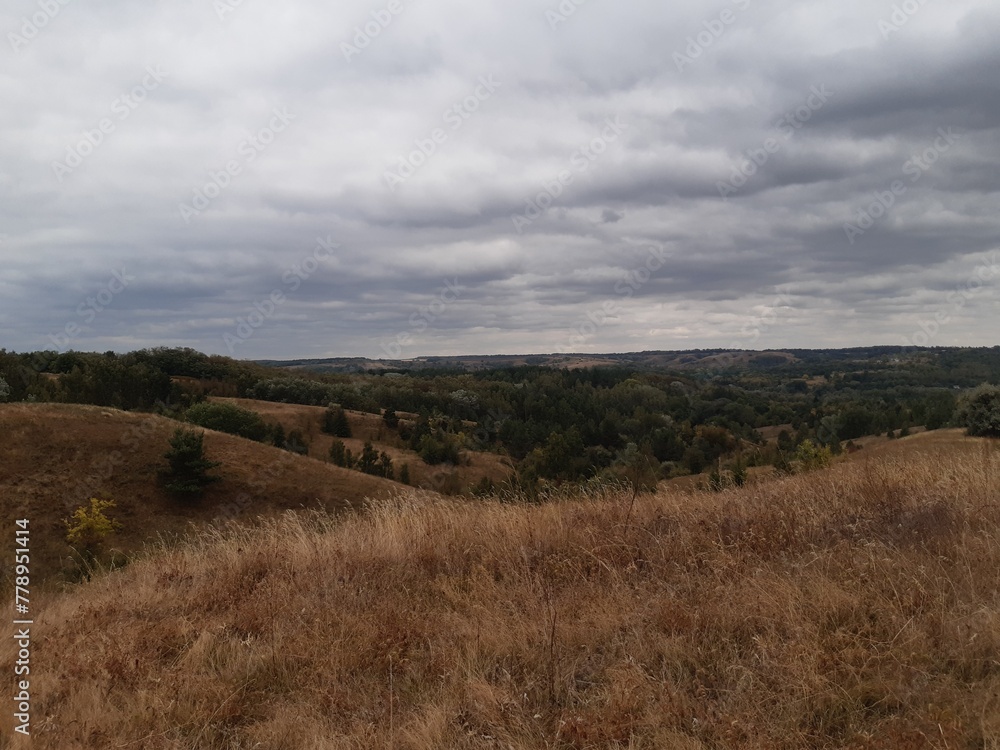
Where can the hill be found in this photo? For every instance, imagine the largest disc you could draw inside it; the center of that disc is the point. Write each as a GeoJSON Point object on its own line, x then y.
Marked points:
{"type": "Point", "coordinates": [370, 427]}
{"type": "Point", "coordinates": [854, 607]}
{"type": "Point", "coordinates": [54, 457]}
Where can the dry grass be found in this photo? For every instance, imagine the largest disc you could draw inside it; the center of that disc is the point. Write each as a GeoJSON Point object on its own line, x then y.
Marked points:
{"type": "Point", "coordinates": [54, 457]}
{"type": "Point", "coordinates": [856, 607]}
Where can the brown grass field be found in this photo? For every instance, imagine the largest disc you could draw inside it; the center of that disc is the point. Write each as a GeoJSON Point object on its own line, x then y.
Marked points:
{"type": "Point", "coordinates": [55, 457]}
{"type": "Point", "coordinates": [854, 607]}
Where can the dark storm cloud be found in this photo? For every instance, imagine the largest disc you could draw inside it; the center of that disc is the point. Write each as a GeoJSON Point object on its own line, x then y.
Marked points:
{"type": "Point", "coordinates": [695, 168]}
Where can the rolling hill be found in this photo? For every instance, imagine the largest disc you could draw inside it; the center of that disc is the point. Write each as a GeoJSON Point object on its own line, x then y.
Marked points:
{"type": "Point", "coordinates": [853, 607]}
{"type": "Point", "coordinates": [54, 457]}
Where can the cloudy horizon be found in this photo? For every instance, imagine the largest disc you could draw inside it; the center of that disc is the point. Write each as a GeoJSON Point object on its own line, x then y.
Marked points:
{"type": "Point", "coordinates": [402, 179]}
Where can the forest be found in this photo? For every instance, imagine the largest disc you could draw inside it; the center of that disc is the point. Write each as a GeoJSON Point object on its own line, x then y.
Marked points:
{"type": "Point", "coordinates": [719, 411]}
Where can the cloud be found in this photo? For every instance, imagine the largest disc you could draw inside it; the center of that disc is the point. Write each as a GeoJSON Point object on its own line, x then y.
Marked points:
{"type": "Point", "coordinates": [743, 113]}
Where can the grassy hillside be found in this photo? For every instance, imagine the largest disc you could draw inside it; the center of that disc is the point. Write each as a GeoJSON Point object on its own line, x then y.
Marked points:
{"type": "Point", "coordinates": [854, 607]}
{"type": "Point", "coordinates": [54, 457]}
{"type": "Point", "coordinates": [370, 427]}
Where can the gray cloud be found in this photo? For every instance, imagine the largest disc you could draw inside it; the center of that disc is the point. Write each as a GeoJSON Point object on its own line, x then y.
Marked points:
{"type": "Point", "coordinates": [522, 198]}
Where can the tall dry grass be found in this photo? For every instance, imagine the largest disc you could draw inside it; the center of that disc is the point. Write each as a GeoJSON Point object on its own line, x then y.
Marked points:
{"type": "Point", "coordinates": [856, 607]}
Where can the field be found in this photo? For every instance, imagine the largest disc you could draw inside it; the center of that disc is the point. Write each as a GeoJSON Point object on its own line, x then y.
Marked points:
{"type": "Point", "coordinates": [57, 456]}
{"type": "Point", "coordinates": [853, 607]}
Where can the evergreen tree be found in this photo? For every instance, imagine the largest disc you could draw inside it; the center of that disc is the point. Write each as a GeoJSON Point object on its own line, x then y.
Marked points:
{"type": "Point", "coordinates": [335, 422]}
{"type": "Point", "coordinates": [390, 418]}
{"type": "Point", "coordinates": [188, 468]}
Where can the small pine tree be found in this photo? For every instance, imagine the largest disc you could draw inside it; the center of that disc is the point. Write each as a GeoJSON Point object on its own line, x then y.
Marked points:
{"type": "Point", "coordinates": [338, 453]}
{"type": "Point", "coordinates": [390, 418]}
{"type": "Point", "coordinates": [385, 466]}
{"type": "Point", "coordinates": [335, 422]}
{"type": "Point", "coordinates": [188, 469]}
{"type": "Point", "coordinates": [404, 474]}
{"type": "Point", "coordinates": [368, 462]}
{"type": "Point", "coordinates": [4, 390]}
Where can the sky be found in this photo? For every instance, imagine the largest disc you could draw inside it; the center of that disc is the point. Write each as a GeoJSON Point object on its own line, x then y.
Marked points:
{"type": "Point", "coordinates": [402, 178]}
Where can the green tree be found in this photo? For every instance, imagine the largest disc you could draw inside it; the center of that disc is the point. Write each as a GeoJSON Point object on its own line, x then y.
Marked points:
{"type": "Point", "coordinates": [810, 456]}
{"type": "Point", "coordinates": [4, 390]}
{"type": "Point", "coordinates": [229, 418]}
{"type": "Point", "coordinates": [340, 454]}
{"type": "Point", "coordinates": [335, 422]}
{"type": "Point", "coordinates": [368, 462]}
{"type": "Point", "coordinates": [187, 472]}
{"type": "Point", "coordinates": [979, 411]}
{"type": "Point", "coordinates": [390, 418]}
{"type": "Point", "coordinates": [385, 466]}
{"type": "Point", "coordinates": [404, 474]}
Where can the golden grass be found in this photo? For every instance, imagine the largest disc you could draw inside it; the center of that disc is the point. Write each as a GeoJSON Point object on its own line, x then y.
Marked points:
{"type": "Point", "coordinates": [856, 607]}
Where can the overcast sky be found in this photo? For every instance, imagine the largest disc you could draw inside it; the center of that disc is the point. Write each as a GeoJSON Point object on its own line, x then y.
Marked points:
{"type": "Point", "coordinates": [397, 179]}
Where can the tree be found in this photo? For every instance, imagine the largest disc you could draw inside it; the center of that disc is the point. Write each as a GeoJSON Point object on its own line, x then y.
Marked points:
{"type": "Point", "coordinates": [4, 390]}
{"type": "Point", "coordinates": [87, 529]}
{"type": "Point", "coordinates": [385, 466]}
{"type": "Point", "coordinates": [368, 462]}
{"type": "Point", "coordinates": [390, 418]}
{"type": "Point", "coordinates": [979, 411]}
{"type": "Point", "coordinates": [229, 418]}
{"type": "Point", "coordinates": [340, 454]}
{"type": "Point", "coordinates": [810, 456]}
{"type": "Point", "coordinates": [188, 468]}
{"type": "Point", "coordinates": [404, 474]}
{"type": "Point", "coordinates": [297, 443]}
{"type": "Point", "coordinates": [335, 422]}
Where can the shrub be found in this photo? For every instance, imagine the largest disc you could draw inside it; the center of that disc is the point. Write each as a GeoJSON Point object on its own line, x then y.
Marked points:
{"type": "Point", "coordinates": [404, 474]}
{"type": "Point", "coordinates": [810, 456]}
{"type": "Point", "coordinates": [979, 411]}
{"type": "Point", "coordinates": [229, 418]}
{"type": "Point", "coordinates": [390, 418]}
{"type": "Point", "coordinates": [187, 473]}
{"type": "Point", "coordinates": [88, 527]}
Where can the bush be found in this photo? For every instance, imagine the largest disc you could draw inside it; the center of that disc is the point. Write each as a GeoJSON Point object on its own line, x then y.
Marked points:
{"type": "Point", "coordinates": [810, 456]}
{"type": "Point", "coordinates": [979, 411]}
{"type": "Point", "coordinates": [187, 473]}
{"type": "Point", "coordinates": [87, 529]}
{"type": "Point", "coordinates": [390, 418]}
{"type": "Point", "coordinates": [229, 418]}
